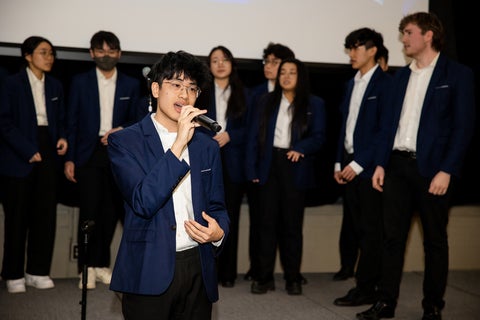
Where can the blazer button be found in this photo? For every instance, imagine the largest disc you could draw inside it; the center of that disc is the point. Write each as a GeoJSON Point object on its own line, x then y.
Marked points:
{"type": "Point", "coordinates": [174, 227]}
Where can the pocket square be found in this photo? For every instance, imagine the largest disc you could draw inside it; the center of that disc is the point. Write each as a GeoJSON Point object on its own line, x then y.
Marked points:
{"type": "Point", "coordinates": [442, 87]}
{"type": "Point", "coordinates": [206, 170]}
{"type": "Point", "coordinates": [372, 98]}
{"type": "Point", "coordinates": [124, 98]}
{"type": "Point", "coordinates": [54, 99]}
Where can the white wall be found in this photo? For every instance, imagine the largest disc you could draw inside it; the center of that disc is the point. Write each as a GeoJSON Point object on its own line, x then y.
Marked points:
{"type": "Point", "coordinates": [314, 29]}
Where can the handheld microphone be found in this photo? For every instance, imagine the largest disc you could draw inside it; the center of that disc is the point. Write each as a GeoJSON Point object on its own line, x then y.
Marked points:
{"type": "Point", "coordinates": [145, 72]}
{"type": "Point", "coordinates": [207, 122]}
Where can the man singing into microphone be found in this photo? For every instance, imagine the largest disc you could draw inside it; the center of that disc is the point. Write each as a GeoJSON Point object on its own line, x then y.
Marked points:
{"type": "Point", "coordinates": [170, 176]}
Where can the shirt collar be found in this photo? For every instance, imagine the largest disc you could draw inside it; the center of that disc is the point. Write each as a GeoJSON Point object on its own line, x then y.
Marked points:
{"type": "Point", "coordinates": [367, 76]}
{"type": "Point", "coordinates": [101, 77]}
{"type": "Point", "coordinates": [414, 68]}
{"type": "Point", "coordinates": [33, 78]}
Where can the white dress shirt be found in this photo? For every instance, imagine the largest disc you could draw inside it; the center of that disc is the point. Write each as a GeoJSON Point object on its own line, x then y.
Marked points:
{"type": "Point", "coordinates": [359, 87]}
{"type": "Point", "coordinates": [221, 104]}
{"type": "Point", "coordinates": [282, 127]}
{"type": "Point", "coordinates": [182, 195]}
{"type": "Point", "coordinates": [406, 136]}
{"type": "Point", "coordinates": [106, 93]}
{"type": "Point", "coordinates": [38, 92]}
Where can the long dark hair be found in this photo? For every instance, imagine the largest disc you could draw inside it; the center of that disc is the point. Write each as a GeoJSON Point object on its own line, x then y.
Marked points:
{"type": "Point", "coordinates": [236, 105]}
{"type": "Point", "coordinates": [299, 104]}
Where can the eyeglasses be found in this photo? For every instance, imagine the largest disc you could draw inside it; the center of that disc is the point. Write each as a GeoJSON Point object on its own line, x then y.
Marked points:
{"type": "Point", "coordinates": [223, 61]}
{"type": "Point", "coordinates": [273, 62]}
{"type": "Point", "coordinates": [45, 53]}
{"type": "Point", "coordinates": [102, 52]}
{"type": "Point", "coordinates": [178, 86]}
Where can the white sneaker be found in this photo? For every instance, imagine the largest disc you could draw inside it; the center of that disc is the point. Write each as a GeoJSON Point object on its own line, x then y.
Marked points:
{"type": "Point", "coordinates": [104, 275]}
{"type": "Point", "coordinates": [39, 282]}
{"type": "Point", "coordinates": [16, 286]}
{"type": "Point", "coordinates": [90, 279]}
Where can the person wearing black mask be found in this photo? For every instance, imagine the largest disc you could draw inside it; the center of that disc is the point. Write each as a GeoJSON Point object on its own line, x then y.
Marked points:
{"type": "Point", "coordinates": [101, 101]}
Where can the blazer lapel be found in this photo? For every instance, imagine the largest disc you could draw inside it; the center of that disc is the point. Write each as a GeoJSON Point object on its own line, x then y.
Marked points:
{"type": "Point", "coordinates": [151, 137]}
{"type": "Point", "coordinates": [434, 81]}
{"type": "Point", "coordinates": [196, 163]}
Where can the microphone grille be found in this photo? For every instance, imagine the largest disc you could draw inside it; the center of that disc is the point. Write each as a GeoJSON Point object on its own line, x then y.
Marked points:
{"type": "Point", "coordinates": [145, 71]}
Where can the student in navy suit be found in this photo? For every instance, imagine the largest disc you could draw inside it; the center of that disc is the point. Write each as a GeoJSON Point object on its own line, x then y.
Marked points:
{"type": "Point", "coordinates": [431, 125]}
{"type": "Point", "coordinates": [285, 137]}
{"type": "Point", "coordinates": [364, 102]}
{"type": "Point", "coordinates": [273, 54]}
{"type": "Point", "coordinates": [225, 101]}
{"type": "Point", "coordinates": [101, 101]}
{"type": "Point", "coordinates": [32, 137]}
{"type": "Point", "coordinates": [170, 175]}
{"type": "Point", "coordinates": [348, 242]}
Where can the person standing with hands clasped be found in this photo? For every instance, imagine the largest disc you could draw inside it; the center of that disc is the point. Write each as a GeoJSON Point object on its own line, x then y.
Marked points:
{"type": "Point", "coordinates": [224, 100]}
{"type": "Point", "coordinates": [365, 99]}
{"type": "Point", "coordinates": [102, 100]}
{"type": "Point", "coordinates": [287, 133]}
{"type": "Point", "coordinates": [170, 176]}
{"type": "Point", "coordinates": [273, 54]}
{"type": "Point", "coordinates": [32, 137]}
{"type": "Point", "coordinates": [431, 125]}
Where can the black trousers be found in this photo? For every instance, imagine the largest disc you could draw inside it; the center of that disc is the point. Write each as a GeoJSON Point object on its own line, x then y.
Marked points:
{"type": "Point", "coordinates": [185, 299]}
{"type": "Point", "coordinates": [365, 208]}
{"type": "Point", "coordinates": [100, 201]}
{"type": "Point", "coordinates": [253, 198]}
{"type": "Point", "coordinates": [406, 191]}
{"type": "Point", "coordinates": [281, 220]}
{"type": "Point", "coordinates": [348, 242]}
{"type": "Point", "coordinates": [227, 260]}
{"type": "Point", "coordinates": [30, 207]}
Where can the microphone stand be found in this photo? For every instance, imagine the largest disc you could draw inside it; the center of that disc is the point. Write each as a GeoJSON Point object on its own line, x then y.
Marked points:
{"type": "Point", "coordinates": [87, 228]}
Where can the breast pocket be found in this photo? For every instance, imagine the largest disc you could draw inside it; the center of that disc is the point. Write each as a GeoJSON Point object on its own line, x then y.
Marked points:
{"type": "Point", "coordinates": [206, 177]}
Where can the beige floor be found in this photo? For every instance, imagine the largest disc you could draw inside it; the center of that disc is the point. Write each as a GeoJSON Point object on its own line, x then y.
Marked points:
{"type": "Point", "coordinates": [62, 303]}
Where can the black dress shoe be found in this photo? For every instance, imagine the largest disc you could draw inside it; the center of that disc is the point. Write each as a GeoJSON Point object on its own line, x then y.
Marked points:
{"type": "Point", "coordinates": [432, 313]}
{"type": "Point", "coordinates": [355, 297]}
{"type": "Point", "coordinates": [294, 288]}
{"type": "Point", "coordinates": [228, 284]}
{"type": "Point", "coordinates": [260, 287]}
{"type": "Point", "coordinates": [343, 274]}
{"type": "Point", "coordinates": [379, 310]}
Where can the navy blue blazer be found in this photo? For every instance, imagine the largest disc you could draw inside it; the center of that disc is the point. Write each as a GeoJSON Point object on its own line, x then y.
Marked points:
{"type": "Point", "coordinates": [367, 130]}
{"type": "Point", "coordinates": [254, 96]}
{"type": "Point", "coordinates": [146, 177]}
{"type": "Point", "coordinates": [446, 122]}
{"type": "Point", "coordinates": [18, 122]}
{"type": "Point", "coordinates": [255, 93]}
{"type": "Point", "coordinates": [83, 114]}
{"type": "Point", "coordinates": [233, 153]}
{"type": "Point", "coordinates": [258, 162]}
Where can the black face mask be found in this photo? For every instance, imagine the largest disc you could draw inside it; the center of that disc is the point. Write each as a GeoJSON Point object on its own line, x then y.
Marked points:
{"type": "Point", "coordinates": [105, 63]}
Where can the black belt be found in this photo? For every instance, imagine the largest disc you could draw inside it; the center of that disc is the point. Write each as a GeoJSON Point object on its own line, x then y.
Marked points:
{"type": "Point", "coordinates": [405, 154]}
{"type": "Point", "coordinates": [281, 149]}
{"type": "Point", "coordinates": [187, 253]}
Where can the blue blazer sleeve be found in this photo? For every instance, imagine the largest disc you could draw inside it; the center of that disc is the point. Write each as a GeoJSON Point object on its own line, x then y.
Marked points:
{"type": "Point", "coordinates": [367, 134]}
